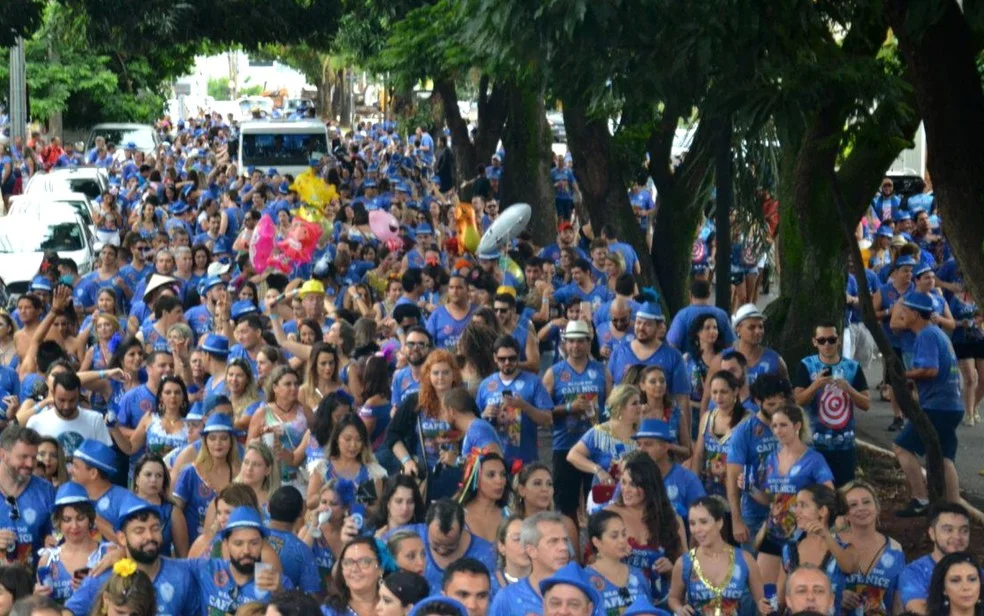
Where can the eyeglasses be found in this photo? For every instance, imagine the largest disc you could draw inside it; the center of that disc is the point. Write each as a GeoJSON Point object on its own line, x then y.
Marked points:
{"type": "Point", "coordinates": [827, 340]}
{"type": "Point", "coordinates": [417, 345]}
{"type": "Point", "coordinates": [621, 320]}
{"type": "Point", "coordinates": [507, 358]}
{"type": "Point", "coordinates": [500, 310]}
{"type": "Point", "coordinates": [14, 511]}
{"type": "Point", "coordinates": [366, 562]}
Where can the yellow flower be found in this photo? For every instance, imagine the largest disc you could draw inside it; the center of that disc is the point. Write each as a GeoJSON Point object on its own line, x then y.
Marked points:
{"type": "Point", "coordinates": [125, 568]}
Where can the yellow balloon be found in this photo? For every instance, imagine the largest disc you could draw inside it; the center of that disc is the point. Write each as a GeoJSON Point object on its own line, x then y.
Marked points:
{"type": "Point", "coordinates": [313, 190]}
{"type": "Point", "coordinates": [517, 272]}
{"type": "Point", "coordinates": [470, 238]}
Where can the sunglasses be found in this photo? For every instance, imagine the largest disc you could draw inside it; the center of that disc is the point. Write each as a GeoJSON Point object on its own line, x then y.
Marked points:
{"type": "Point", "coordinates": [14, 511]}
{"type": "Point", "coordinates": [507, 358]}
{"type": "Point", "coordinates": [828, 340]}
{"type": "Point", "coordinates": [417, 345]}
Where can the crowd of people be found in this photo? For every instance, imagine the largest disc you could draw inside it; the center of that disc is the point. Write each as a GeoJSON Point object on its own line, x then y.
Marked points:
{"type": "Point", "coordinates": [361, 435]}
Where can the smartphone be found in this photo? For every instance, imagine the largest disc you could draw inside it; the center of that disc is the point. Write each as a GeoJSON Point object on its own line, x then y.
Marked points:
{"type": "Point", "coordinates": [507, 393]}
{"type": "Point", "coordinates": [81, 574]}
{"type": "Point", "coordinates": [826, 372]}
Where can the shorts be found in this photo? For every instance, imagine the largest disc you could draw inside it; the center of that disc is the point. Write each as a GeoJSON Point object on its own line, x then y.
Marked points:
{"type": "Point", "coordinates": [843, 464]}
{"type": "Point", "coordinates": [770, 546]}
{"type": "Point", "coordinates": [737, 277]}
{"type": "Point", "coordinates": [945, 422]}
{"type": "Point", "coordinates": [969, 350]}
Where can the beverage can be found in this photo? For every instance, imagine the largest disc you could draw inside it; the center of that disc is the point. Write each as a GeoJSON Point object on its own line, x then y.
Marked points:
{"type": "Point", "coordinates": [358, 513]}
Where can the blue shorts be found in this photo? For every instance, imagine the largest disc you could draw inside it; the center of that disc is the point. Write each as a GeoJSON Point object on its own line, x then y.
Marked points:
{"type": "Point", "coordinates": [945, 422]}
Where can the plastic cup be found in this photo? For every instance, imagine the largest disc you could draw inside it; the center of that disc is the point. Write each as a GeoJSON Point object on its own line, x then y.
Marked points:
{"type": "Point", "coordinates": [259, 568]}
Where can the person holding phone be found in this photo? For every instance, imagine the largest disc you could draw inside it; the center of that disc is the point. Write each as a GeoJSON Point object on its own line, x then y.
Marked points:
{"type": "Point", "coordinates": [63, 568]}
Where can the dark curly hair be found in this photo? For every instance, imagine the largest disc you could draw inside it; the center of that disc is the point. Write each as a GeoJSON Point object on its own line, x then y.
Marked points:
{"type": "Point", "coordinates": [658, 514]}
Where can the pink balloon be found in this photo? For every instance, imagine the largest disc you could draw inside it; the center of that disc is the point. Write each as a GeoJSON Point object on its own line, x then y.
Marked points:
{"type": "Point", "coordinates": [261, 243]}
{"type": "Point", "coordinates": [301, 241]}
{"type": "Point", "coordinates": [384, 226]}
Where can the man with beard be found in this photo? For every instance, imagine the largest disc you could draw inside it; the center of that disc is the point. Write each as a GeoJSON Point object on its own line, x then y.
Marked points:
{"type": "Point", "coordinates": [578, 387]}
{"type": "Point", "coordinates": [649, 350]}
{"type": "Point", "coordinates": [227, 585]}
{"type": "Point", "coordinates": [139, 531]}
{"type": "Point", "coordinates": [949, 529]}
{"type": "Point", "coordinates": [28, 499]}
{"type": "Point", "coordinates": [447, 322]}
{"type": "Point", "coordinates": [615, 330]}
{"type": "Point", "coordinates": [92, 465]}
{"type": "Point", "coordinates": [65, 421]}
{"type": "Point", "coordinates": [749, 447]}
{"type": "Point", "coordinates": [544, 539]}
{"type": "Point", "coordinates": [519, 327]}
{"type": "Point", "coordinates": [515, 402]}
{"type": "Point", "coordinates": [406, 380]}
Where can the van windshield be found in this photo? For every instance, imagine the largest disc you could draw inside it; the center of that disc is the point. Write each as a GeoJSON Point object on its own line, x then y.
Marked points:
{"type": "Point", "coordinates": [281, 149]}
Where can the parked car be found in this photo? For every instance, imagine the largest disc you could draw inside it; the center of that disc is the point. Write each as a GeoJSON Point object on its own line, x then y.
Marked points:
{"type": "Point", "coordinates": [91, 181]}
{"type": "Point", "coordinates": [80, 202]}
{"type": "Point", "coordinates": [142, 135]}
{"type": "Point", "coordinates": [24, 238]}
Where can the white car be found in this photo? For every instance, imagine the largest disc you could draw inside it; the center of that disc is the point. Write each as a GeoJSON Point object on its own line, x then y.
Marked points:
{"type": "Point", "coordinates": [80, 202]}
{"type": "Point", "coordinates": [144, 136]}
{"type": "Point", "coordinates": [24, 238]}
{"type": "Point", "coordinates": [91, 181]}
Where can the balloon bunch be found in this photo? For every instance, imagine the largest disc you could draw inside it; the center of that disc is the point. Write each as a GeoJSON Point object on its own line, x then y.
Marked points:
{"type": "Point", "coordinates": [295, 249]}
{"type": "Point", "coordinates": [464, 217]}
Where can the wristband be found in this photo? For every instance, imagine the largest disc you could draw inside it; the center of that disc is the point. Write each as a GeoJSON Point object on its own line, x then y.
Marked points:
{"type": "Point", "coordinates": [102, 374]}
{"type": "Point", "coordinates": [404, 460]}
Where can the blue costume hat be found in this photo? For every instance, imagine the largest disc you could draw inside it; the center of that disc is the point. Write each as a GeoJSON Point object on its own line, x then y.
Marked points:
{"type": "Point", "coordinates": [131, 506]}
{"type": "Point", "coordinates": [218, 422]}
{"type": "Point", "coordinates": [244, 517]}
{"type": "Point", "coordinates": [242, 308]}
{"type": "Point", "coordinates": [71, 493]}
{"type": "Point", "coordinates": [650, 311]}
{"type": "Point", "coordinates": [921, 302]}
{"type": "Point", "coordinates": [96, 455]}
{"type": "Point", "coordinates": [654, 428]}
{"type": "Point", "coordinates": [216, 345]}
{"type": "Point", "coordinates": [572, 575]}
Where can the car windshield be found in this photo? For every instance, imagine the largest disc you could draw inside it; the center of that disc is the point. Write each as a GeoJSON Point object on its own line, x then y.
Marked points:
{"type": "Point", "coordinates": [271, 150]}
{"type": "Point", "coordinates": [88, 187]}
{"type": "Point", "coordinates": [143, 137]}
{"type": "Point", "coordinates": [40, 237]}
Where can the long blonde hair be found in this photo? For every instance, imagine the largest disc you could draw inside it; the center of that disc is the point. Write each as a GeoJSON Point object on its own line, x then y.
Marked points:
{"type": "Point", "coordinates": [272, 482]}
{"type": "Point", "coordinates": [250, 395]}
{"type": "Point", "coordinates": [205, 461]}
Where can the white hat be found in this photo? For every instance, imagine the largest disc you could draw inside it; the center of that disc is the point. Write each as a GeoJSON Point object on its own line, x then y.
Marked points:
{"type": "Point", "coordinates": [156, 282]}
{"type": "Point", "coordinates": [747, 311]}
{"type": "Point", "coordinates": [577, 329]}
{"type": "Point", "coordinates": [218, 269]}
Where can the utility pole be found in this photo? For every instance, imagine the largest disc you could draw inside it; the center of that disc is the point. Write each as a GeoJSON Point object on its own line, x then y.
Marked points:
{"type": "Point", "coordinates": [18, 92]}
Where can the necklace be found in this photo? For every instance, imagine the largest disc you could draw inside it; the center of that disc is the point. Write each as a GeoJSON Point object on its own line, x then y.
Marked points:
{"type": "Point", "coordinates": [716, 590]}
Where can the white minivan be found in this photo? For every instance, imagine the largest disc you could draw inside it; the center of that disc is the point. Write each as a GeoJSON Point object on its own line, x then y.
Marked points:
{"type": "Point", "coordinates": [285, 146]}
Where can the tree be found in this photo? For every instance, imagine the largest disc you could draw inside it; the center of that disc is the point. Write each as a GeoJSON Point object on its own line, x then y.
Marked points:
{"type": "Point", "coordinates": [19, 18]}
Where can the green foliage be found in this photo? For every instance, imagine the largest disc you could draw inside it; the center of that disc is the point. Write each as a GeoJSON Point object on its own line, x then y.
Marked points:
{"type": "Point", "coordinates": [218, 88]}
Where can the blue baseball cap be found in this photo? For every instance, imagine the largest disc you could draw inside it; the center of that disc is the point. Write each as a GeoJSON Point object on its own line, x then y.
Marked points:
{"type": "Point", "coordinates": [244, 517]}
{"type": "Point", "coordinates": [921, 302]}
{"type": "Point", "coordinates": [572, 575]}
{"type": "Point", "coordinates": [71, 493]}
{"type": "Point", "coordinates": [218, 422]}
{"type": "Point", "coordinates": [40, 283]}
{"type": "Point", "coordinates": [216, 345]}
{"type": "Point", "coordinates": [130, 507]}
{"type": "Point", "coordinates": [654, 428]}
{"type": "Point", "coordinates": [651, 312]}
{"type": "Point", "coordinates": [96, 455]}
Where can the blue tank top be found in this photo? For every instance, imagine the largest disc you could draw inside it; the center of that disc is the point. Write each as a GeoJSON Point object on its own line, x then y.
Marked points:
{"type": "Point", "coordinates": [643, 558]}
{"type": "Point", "coordinates": [58, 577]}
{"type": "Point", "coordinates": [325, 560]}
{"type": "Point", "coordinates": [715, 469]}
{"type": "Point", "coordinates": [964, 308]}
{"type": "Point", "coordinates": [877, 586]}
{"type": "Point", "coordinates": [569, 385]}
{"type": "Point", "coordinates": [704, 599]}
{"type": "Point", "coordinates": [616, 599]}
{"type": "Point", "coordinates": [831, 411]}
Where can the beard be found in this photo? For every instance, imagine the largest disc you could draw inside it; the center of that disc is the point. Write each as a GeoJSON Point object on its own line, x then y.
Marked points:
{"type": "Point", "coordinates": [245, 566]}
{"type": "Point", "coordinates": [416, 359]}
{"type": "Point", "coordinates": [146, 554]}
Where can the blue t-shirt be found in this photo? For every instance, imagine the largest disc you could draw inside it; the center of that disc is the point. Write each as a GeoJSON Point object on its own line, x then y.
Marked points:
{"type": "Point", "coordinates": [218, 590]}
{"type": "Point", "coordinates": [933, 349]}
{"type": "Point", "coordinates": [9, 384]}
{"type": "Point", "coordinates": [683, 487]}
{"type": "Point", "coordinates": [444, 329]}
{"type": "Point", "coordinates": [33, 523]}
{"type": "Point", "coordinates": [403, 385]}
{"type": "Point", "coordinates": [296, 558]}
{"type": "Point", "coordinates": [811, 468]}
{"type": "Point", "coordinates": [199, 320]}
{"type": "Point", "coordinates": [568, 386]}
{"type": "Point", "coordinates": [750, 445]}
{"type": "Point", "coordinates": [108, 505]}
{"type": "Point", "coordinates": [596, 296]}
{"type": "Point", "coordinates": [705, 600]}
{"type": "Point", "coordinates": [769, 362]}
{"type": "Point", "coordinates": [831, 411]}
{"type": "Point", "coordinates": [914, 580]}
{"type": "Point", "coordinates": [174, 586]}
{"type": "Point", "coordinates": [518, 433]}
{"type": "Point", "coordinates": [878, 586]}
{"type": "Point", "coordinates": [518, 598]}
{"type": "Point", "coordinates": [480, 434]}
{"type": "Point", "coordinates": [132, 407]}
{"type": "Point", "coordinates": [478, 548]}
{"type": "Point", "coordinates": [680, 326]}
{"type": "Point", "coordinates": [604, 448]}
{"type": "Point", "coordinates": [666, 357]}
{"type": "Point", "coordinates": [196, 496]}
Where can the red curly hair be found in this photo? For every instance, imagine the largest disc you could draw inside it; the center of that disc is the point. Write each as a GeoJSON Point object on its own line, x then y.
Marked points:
{"type": "Point", "coordinates": [428, 398]}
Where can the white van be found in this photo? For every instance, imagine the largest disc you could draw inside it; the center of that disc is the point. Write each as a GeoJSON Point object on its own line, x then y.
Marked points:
{"type": "Point", "coordinates": [285, 146]}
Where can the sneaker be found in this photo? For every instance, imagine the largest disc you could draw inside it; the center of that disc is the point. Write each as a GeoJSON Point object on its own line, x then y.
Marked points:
{"type": "Point", "coordinates": [896, 424]}
{"type": "Point", "coordinates": [914, 509]}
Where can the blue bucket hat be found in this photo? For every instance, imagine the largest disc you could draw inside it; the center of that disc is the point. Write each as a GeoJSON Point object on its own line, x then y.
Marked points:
{"type": "Point", "coordinates": [195, 412]}
{"type": "Point", "coordinates": [885, 231]}
{"type": "Point", "coordinates": [213, 402]}
{"type": "Point", "coordinates": [216, 345]}
{"type": "Point", "coordinates": [903, 261]}
{"type": "Point", "coordinates": [71, 493]}
{"type": "Point", "coordinates": [573, 575]}
{"type": "Point", "coordinates": [179, 207]}
{"type": "Point", "coordinates": [242, 308]}
{"type": "Point", "coordinates": [40, 283]}
{"type": "Point", "coordinates": [218, 422]}
{"type": "Point", "coordinates": [131, 506]}
{"type": "Point", "coordinates": [650, 311]}
{"type": "Point", "coordinates": [96, 455]}
{"type": "Point", "coordinates": [642, 607]}
{"type": "Point", "coordinates": [244, 517]}
{"type": "Point", "coordinates": [921, 302]}
{"type": "Point", "coordinates": [423, 606]}
{"type": "Point", "coordinates": [654, 428]}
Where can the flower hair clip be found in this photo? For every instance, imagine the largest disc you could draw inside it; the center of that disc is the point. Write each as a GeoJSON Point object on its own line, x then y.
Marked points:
{"type": "Point", "coordinates": [125, 568]}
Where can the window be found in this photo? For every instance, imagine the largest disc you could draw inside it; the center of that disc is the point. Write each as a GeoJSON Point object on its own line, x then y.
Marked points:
{"type": "Point", "coordinates": [271, 150]}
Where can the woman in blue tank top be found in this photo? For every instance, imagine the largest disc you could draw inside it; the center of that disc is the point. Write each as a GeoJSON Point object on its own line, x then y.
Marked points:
{"type": "Point", "coordinates": [617, 583]}
{"type": "Point", "coordinates": [711, 453]}
{"type": "Point", "coordinates": [716, 577]}
{"type": "Point", "coordinates": [63, 568]}
{"type": "Point", "coordinates": [659, 405]}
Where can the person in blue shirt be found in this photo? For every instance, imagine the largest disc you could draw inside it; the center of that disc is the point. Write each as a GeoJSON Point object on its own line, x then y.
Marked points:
{"type": "Point", "coordinates": [29, 499]}
{"type": "Point", "coordinates": [583, 287]}
{"type": "Point", "coordinates": [406, 380]}
{"type": "Point", "coordinates": [937, 376]}
{"type": "Point", "coordinates": [468, 582]}
{"type": "Point", "coordinates": [628, 253]}
{"type": "Point", "coordinates": [642, 204]}
{"type": "Point", "coordinates": [700, 304]}
{"type": "Point", "coordinates": [544, 539]}
{"type": "Point", "coordinates": [515, 402]}
{"type": "Point", "coordinates": [578, 386]}
{"type": "Point", "coordinates": [885, 205]}
{"type": "Point", "coordinates": [566, 238]}
{"type": "Point", "coordinates": [138, 531]}
{"type": "Point", "coordinates": [446, 324]}
{"type": "Point", "coordinates": [683, 486]}
{"type": "Point", "coordinates": [286, 507]}
{"type": "Point", "coordinates": [517, 326]}
{"type": "Point", "coordinates": [564, 184]}
{"type": "Point", "coordinates": [478, 435]}
{"type": "Point", "coordinates": [830, 388]}
{"type": "Point", "coordinates": [92, 465]}
{"type": "Point", "coordinates": [949, 530]}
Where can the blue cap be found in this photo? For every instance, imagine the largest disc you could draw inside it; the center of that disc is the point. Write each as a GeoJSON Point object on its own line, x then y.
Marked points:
{"type": "Point", "coordinates": [573, 575]}
{"type": "Point", "coordinates": [221, 246]}
{"type": "Point", "coordinates": [71, 493]}
{"type": "Point", "coordinates": [130, 145]}
{"type": "Point", "coordinates": [213, 402]}
{"type": "Point", "coordinates": [369, 183]}
{"type": "Point", "coordinates": [650, 311]}
{"type": "Point", "coordinates": [271, 172]}
{"type": "Point", "coordinates": [216, 345]}
{"type": "Point", "coordinates": [642, 607]}
{"type": "Point", "coordinates": [921, 302]}
{"type": "Point", "coordinates": [424, 228]}
{"type": "Point", "coordinates": [179, 207]}
{"type": "Point", "coordinates": [903, 261]}
{"type": "Point", "coordinates": [424, 606]}
{"type": "Point", "coordinates": [40, 283]}
{"type": "Point", "coordinates": [284, 188]}
{"type": "Point", "coordinates": [218, 422]}
{"type": "Point", "coordinates": [96, 455]}
{"type": "Point", "coordinates": [210, 283]}
{"type": "Point", "coordinates": [244, 517]}
{"type": "Point", "coordinates": [921, 269]}
{"type": "Point", "coordinates": [195, 413]}
{"type": "Point", "coordinates": [131, 506]}
{"type": "Point", "coordinates": [489, 256]}
{"type": "Point", "coordinates": [242, 308]}
{"type": "Point", "coordinates": [885, 231]}
{"type": "Point", "coordinates": [654, 428]}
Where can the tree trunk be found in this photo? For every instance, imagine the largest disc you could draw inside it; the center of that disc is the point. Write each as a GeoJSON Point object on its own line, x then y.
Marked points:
{"type": "Point", "coordinates": [941, 67]}
{"type": "Point", "coordinates": [465, 158]}
{"type": "Point", "coordinates": [599, 177]}
{"type": "Point", "coordinates": [492, 111]}
{"type": "Point", "coordinates": [526, 177]}
{"type": "Point", "coordinates": [724, 180]}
